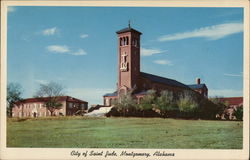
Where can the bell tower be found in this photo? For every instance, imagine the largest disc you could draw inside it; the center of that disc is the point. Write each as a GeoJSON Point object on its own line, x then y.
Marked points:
{"type": "Point", "coordinates": [128, 59]}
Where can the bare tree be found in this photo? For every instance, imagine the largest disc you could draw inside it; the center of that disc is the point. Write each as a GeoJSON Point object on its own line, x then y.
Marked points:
{"type": "Point", "coordinates": [52, 91]}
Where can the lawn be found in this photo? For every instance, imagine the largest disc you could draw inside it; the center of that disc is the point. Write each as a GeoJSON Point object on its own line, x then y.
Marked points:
{"type": "Point", "coordinates": [82, 132]}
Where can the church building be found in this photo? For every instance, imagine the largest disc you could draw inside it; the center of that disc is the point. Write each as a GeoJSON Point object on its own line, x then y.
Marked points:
{"type": "Point", "coordinates": [131, 78]}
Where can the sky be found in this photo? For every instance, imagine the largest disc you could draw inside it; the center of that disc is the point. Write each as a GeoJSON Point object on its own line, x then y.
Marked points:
{"type": "Point", "coordinates": [77, 47]}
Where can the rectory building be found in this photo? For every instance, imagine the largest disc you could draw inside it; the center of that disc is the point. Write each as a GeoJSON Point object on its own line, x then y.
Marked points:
{"type": "Point", "coordinates": [35, 107]}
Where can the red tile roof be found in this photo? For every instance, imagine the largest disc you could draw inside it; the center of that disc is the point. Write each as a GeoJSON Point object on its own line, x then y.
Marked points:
{"type": "Point", "coordinates": [43, 99]}
{"type": "Point", "coordinates": [233, 100]}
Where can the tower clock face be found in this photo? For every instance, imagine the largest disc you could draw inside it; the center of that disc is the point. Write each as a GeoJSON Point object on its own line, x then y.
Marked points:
{"type": "Point", "coordinates": [124, 63]}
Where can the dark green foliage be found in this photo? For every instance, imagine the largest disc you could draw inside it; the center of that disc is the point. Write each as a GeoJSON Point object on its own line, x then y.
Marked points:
{"type": "Point", "coordinates": [148, 101]}
{"type": "Point", "coordinates": [185, 104]}
{"type": "Point", "coordinates": [14, 92]}
{"type": "Point", "coordinates": [216, 106]}
{"type": "Point", "coordinates": [188, 105]}
{"type": "Point", "coordinates": [239, 113]}
{"type": "Point", "coordinates": [166, 104]}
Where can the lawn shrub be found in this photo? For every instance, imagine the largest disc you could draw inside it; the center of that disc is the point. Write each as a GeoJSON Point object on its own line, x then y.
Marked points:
{"type": "Point", "coordinates": [239, 113]}
{"type": "Point", "coordinates": [167, 104]}
{"type": "Point", "coordinates": [188, 105]}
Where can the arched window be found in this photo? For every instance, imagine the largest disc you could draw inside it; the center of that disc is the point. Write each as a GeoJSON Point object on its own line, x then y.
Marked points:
{"type": "Point", "coordinates": [127, 41]}
{"type": "Point", "coordinates": [120, 41]}
{"type": "Point", "coordinates": [124, 41]}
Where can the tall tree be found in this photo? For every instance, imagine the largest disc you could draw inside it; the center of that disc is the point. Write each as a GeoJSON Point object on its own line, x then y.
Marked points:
{"type": "Point", "coordinates": [166, 103]}
{"type": "Point", "coordinates": [126, 103]}
{"type": "Point", "coordinates": [148, 101]}
{"type": "Point", "coordinates": [52, 91]}
{"type": "Point", "coordinates": [187, 104]}
{"type": "Point", "coordinates": [14, 92]}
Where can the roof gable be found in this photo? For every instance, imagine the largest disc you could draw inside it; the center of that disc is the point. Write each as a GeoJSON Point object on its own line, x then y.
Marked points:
{"type": "Point", "coordinates": [128, 29]}
{"type": "Point", "coordinates": [114, 94]}
{"type": "Point", "coordinates": [44, 99]}
{"type": "Point", "coordinates": [197, 86]}
{"type": "Point", "coordinates": [233, 100]}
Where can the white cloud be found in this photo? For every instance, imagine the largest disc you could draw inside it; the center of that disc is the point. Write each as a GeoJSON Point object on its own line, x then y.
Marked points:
{"type": "Point", "coordinates": [11, 9]}
{"type": "Point", "coordinates": [79, 52]}
{"type": "Point", "coordinates": [91, 95]}
{"type": "Point", "coordinates": [211, 32]}
{"type": "Point", "coordinates": [225, 93]}
{"type": "Point", "coordinates": [150, 52]}
{"type": "Point", "coordinates": [163, 62]}
{"type": "Point", "coordinates": [40, 81]}
{"type": "Point", "coordinates": [65, 50]}
{"type": "Point", "coordinates": [50, 31]}
{"type": "Point", "coordinates": [84, 36]}
{"type": "Point", "coordinates": [233, 75]}
{"type": "Point", "coordinates": [58, 49]}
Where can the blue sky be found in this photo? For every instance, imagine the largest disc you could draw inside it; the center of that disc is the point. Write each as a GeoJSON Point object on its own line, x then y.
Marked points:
{"type": "Point", "coordinates": [77, 47]}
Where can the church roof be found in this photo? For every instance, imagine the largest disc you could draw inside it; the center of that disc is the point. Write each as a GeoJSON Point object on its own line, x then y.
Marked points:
{"type": "Point", "coordinates": [163, 80]}
{"type": "Point", "coordinates": [114, 94]}
{"type": "Point", "coordinates": [197, 86]}
{"type": "Point", "coordinates": [232, 100]}
{"type": "Point", "coordinates": [44, 99]}
{"type": "Point", "coordinates": [128, 29]}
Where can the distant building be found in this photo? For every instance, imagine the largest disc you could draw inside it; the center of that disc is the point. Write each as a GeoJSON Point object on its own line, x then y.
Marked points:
{"type": "Point", "coordinates": [232, 102]}
{"type": "Point", "coordinates": [200, 87]}
{"type": "Point", "coordinates": [232, 105]}
{"type": "Point", "coordinates": [35, 107]}
{"type": "Point", "coordinates": [131, 78]}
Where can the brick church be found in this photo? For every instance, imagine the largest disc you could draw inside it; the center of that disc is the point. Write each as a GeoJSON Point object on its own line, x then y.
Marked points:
{"type": "Point", "coordinates": [131, 78]}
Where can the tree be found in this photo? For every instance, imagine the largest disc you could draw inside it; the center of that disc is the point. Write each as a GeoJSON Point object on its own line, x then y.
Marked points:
{"type": "Point", "coordinates": [220, 105]}
{"type": "Point", "coordinates": [239, 113]}
{"type": "Point", "coordinates": [187, 104]}
{"type": "Point", "coordinates": [14, 92]}
{"type": "Point", "coordinates": [52, 91]}
{"type": "Point", "coordinates": [125, 104]}
{"type": "Point", "coordinates": [148, 101]}
{"type": "Point", "coordinates": [166, 103]}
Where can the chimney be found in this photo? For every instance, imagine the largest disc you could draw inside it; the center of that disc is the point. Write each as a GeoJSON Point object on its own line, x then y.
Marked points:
{"type": "Point", "coordinates": [198, 81]}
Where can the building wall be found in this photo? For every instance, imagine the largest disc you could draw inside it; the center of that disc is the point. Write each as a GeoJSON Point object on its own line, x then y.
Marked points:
{"type": "Point", "coordinates": [108, 101]}
{"type": "Point", "coordinates": [33, 109]}
{"type": "Point", "coordinates": [73, 107]}
{"type": "Point", "coordinates": [38, 109]}
{"type": "Point", "coordinates": [129, 77]}
{"type": "Point", "coordinates": [202, 91]}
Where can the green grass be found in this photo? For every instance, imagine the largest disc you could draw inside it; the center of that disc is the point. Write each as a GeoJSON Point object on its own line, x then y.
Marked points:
{"type": "Point", "coordinates": [82, 132]}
